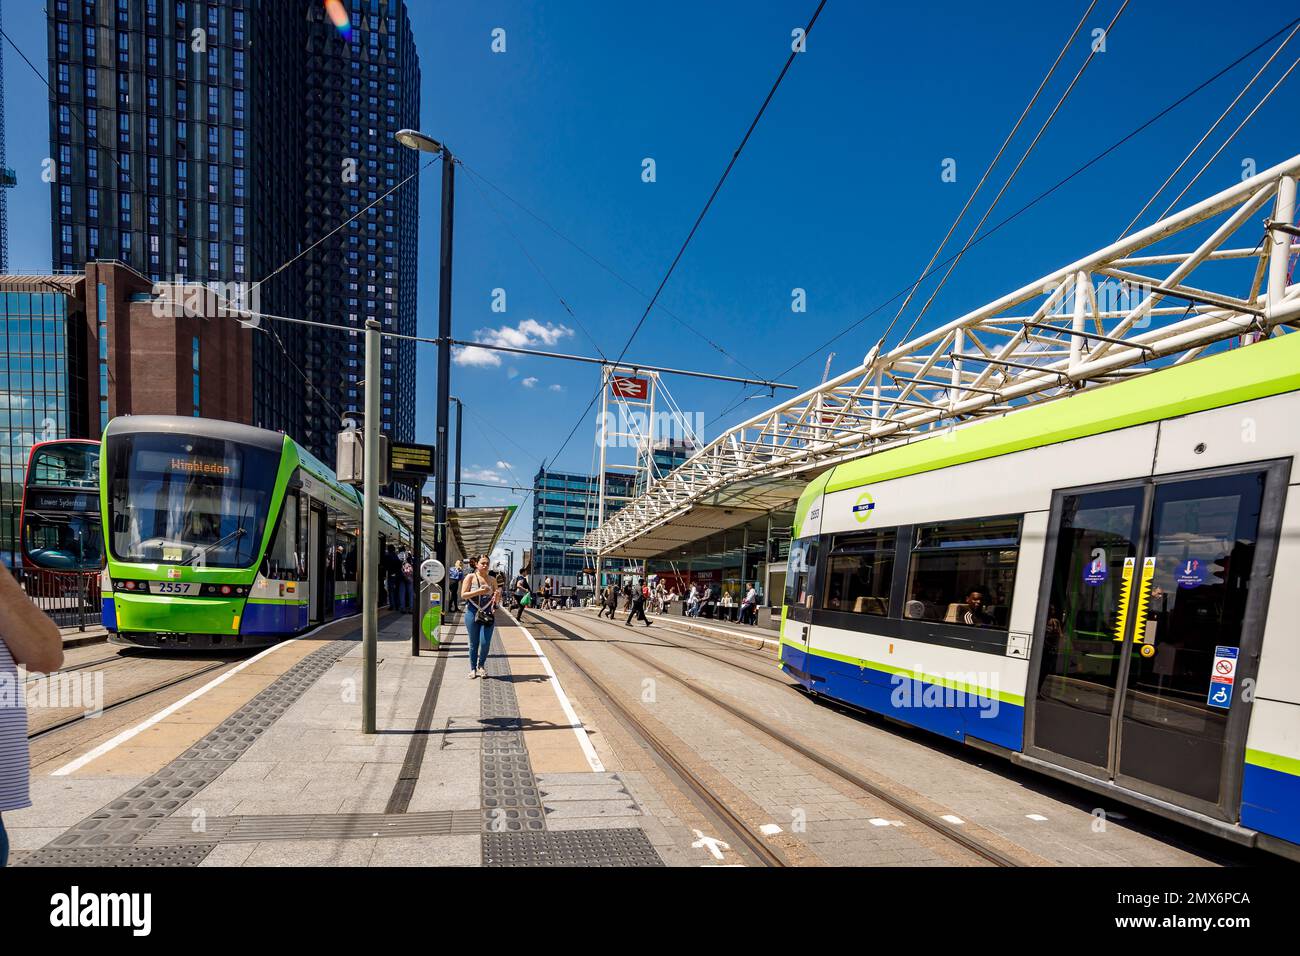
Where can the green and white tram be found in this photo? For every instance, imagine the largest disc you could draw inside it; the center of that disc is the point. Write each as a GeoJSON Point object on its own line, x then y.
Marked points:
{"type": "Point", "coordinates": [1099, 587]}
{"type": "Point", "coordinates": [224, 535]}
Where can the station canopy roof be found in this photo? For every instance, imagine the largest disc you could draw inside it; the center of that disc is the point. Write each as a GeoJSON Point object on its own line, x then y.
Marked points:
{"type": "Point", "coordinates": [473, 530]}
{"type": "Point", "coordinates": [726, 507]}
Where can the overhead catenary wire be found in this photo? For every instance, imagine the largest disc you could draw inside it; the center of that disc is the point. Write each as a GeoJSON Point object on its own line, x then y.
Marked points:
{"type": "Point", "coordinates": [988, 170]}
{"type": "Point", "coordinates": [659, 306]}
{"type": "Point", "coordinates": [1213, 126]}
{"type": "Point", "coordinates": [1231, 136]}
{"type": "Point", "coordinates": [1079, 170]}
{"type": "Point", "coordinates": [694, 228]}
{"type": "Point", "coordinates": [610, 269]}
{"type": "Point", "coordinates": [794, 52]}
{"type": "Point", "coordinates": [536, 266]}
{"type": "Point", "coordinates": [1092, 52]}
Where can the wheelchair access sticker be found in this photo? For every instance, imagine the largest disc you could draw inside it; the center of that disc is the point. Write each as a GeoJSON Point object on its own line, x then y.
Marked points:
{"type": "Point", "coordinates": [1223, 675]}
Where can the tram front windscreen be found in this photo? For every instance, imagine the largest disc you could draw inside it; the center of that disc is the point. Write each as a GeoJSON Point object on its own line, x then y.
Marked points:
{"type": "Point", "coordinates": [187, 500]}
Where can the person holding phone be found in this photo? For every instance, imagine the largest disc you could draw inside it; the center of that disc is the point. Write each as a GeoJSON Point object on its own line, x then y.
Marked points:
{"type": "Point", "coordinates": [481, 594]}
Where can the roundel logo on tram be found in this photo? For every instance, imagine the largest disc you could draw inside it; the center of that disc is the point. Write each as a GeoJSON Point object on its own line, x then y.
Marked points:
{"type": "Point", "coordinates": [863, 507]}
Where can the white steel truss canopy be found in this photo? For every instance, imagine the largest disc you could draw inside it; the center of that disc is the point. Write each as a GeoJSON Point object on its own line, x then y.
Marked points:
{"type": "Point", "coordinates": [1129, 309]}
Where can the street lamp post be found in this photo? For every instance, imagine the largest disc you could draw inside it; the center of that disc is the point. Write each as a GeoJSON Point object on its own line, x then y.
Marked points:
{"type": "Point", "coordinates": [412, 139]}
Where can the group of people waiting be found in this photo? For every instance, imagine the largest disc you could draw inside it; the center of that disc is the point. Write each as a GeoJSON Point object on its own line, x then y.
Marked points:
{"type": "Point", "coordinates": [708, 600]}
{"type": "Point", "coordinates": [715, 602]}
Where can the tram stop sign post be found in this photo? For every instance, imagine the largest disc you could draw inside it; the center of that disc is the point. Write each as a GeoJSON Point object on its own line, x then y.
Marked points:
{"type": "Point", "coordinates": [431, 572]}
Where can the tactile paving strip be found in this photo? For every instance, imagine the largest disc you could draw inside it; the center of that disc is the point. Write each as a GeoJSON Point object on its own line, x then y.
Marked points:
{"type": "Point", "coordinates": [191, 855]}
{"type": "Point", "coordinates": [176, 832]}
{"type": "Point", "coordinates": [124, 822]}
{"type": "Point", "coordinates": [511, 801]}
{"type": "Point", "coordinates": [620, 846]}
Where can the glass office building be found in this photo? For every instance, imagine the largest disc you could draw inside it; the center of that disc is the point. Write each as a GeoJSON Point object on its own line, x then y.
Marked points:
{"type": "Point", "coordinates": [565, 507]}
{"type": "Point", "coordinates": [191, 141]}
{"type": "Point", "coordinates": [42, 387]}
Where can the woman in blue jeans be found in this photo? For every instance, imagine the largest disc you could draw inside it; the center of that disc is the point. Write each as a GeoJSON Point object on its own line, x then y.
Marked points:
{"type": "Point", "coordinates": [479, 593]}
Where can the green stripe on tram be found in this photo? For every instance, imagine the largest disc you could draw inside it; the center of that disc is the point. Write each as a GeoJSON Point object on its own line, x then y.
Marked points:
{"type": "Point", "coordinates": [973, 689]}
{"type": "Point", "coordinates": [1241, 375]}
{"type": "Point", "coordinates": [1262, 758]}
{"type": "Point", "coordinates": [810, 494]}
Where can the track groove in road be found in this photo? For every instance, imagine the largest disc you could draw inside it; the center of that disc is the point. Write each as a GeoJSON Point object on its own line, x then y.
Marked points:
{"type": "Point", "coordinates": [739, 828]}
{"type": "Point", "coordinates": [932, 821]}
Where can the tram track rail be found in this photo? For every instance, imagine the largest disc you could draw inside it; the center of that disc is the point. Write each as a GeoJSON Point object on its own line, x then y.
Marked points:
{"type": "Point", "coordinates": [740, 830]}
{"type": "Point", "coordinates": [47, 731]}
{"type": "Point", "coordinates": [32, 678]}
{"type": "Point", "coordinates": [902, 804]}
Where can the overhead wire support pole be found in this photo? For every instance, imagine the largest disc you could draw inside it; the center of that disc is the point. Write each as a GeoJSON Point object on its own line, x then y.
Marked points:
{"type": "Point", "coordinates": [370, 531]}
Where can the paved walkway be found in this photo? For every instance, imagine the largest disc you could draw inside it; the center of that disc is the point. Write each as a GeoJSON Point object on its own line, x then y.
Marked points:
{"type": "Point", "coordinates": [270, 767]}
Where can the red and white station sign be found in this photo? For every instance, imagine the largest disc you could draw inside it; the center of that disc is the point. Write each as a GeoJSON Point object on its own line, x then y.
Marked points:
{"type": "Point", "coordinates": [628, 386]}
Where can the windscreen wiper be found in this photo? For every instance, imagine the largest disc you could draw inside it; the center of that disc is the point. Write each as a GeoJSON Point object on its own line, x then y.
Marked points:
{"type": "Point", "coordinates": [204, 549]}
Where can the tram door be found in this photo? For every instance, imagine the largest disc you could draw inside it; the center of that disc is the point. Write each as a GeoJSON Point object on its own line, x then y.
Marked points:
{"type": "Point", "coordinates": [1151, 625]}
{"type": "Point", "coordinates": [320, 589]}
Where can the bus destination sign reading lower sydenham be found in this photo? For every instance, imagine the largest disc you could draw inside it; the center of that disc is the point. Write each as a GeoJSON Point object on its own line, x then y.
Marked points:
{"type": "Point", "coordinates": [412, 459]}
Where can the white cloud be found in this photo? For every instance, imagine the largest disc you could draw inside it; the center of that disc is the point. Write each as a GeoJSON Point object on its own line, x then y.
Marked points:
{"type": "Point", "coordinates": [483, 474]}
{"type": "Point", "coordinates": [557, 388]}
{"type": "Point", "coordinates": [477, 358]}
{"type": "Point", "coordinates": [528, 382]}
{"type": "Point", "coordinates": [512, 373]}
{"type": "Point", "coordinates": [526, 334]}
{"type": "Point", "coordinates": [503, 465]}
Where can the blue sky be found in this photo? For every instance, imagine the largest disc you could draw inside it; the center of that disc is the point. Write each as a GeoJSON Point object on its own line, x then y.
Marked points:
{"type": "Point", "coordinates": [839, 191]}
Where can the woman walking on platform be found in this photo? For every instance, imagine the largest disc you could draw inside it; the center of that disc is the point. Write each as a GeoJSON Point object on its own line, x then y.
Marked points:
{"type": "Point", "coordinates": [481, 595]}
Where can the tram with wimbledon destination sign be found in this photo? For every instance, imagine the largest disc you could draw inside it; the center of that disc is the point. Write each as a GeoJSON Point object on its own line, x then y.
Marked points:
{"type": "Point", "coordinates": [224, 535]}
{"type": "Point", "coordinates": [1098, 587]}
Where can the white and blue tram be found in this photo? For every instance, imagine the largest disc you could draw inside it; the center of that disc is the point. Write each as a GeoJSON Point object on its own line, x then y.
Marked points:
{"type": "Point", "coordinates": [1099, 587]}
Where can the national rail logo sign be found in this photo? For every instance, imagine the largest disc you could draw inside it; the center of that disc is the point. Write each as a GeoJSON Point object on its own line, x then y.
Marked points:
{"type": "Point", "coordinates": [863, 507]}
{"type": "Point", "coordinates": [628, 386]}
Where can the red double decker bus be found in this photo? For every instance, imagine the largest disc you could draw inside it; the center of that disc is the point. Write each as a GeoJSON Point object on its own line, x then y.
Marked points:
{"type": "Point", "coordinates": [61, 530]}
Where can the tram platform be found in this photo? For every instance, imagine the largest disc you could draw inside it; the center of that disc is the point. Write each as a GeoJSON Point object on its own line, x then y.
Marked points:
{"type": "Point", "coordinates": [543, 763]}
{"type": "Point", "coordinates": [269, 767]}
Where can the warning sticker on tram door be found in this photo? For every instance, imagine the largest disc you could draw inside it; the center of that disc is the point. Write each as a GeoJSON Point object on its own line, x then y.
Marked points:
{"type": "Point", "coordinates": [1223, 674]}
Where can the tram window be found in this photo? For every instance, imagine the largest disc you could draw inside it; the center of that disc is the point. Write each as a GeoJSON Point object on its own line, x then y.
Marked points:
{"type": "Point", "coordinates": [63, 542]}
{"type": "Point", "coordinates": [963, 572]}
{"type": "Point", "coordinates": [803, 559]}
{"type": "Point", "coordinates": [282, 556]}
{"type": "Point", "coordinates": [859, 571]}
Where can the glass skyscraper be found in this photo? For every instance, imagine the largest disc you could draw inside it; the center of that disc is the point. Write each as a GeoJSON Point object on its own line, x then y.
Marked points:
{"type": "Point", "coordinates": [40, 381]}
{"type": "Point", "coordinates": [213, 141]}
